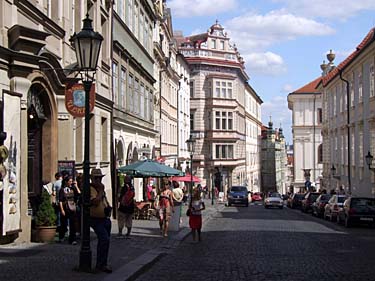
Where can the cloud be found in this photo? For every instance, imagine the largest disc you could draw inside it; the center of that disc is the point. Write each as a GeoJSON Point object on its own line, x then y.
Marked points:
{"type": "Point", "coordinates": [287, 88]}
{"type": "Point", "coordinates": [267, 63]}
{"type": "Point", "coordinates": [192, 8]}
{"type": "Point", "coordinates": [256, 32]}
{"type": "Point", "coordinates": [277, 107]}
{"type": "Point", "coordinates": [333, 9]}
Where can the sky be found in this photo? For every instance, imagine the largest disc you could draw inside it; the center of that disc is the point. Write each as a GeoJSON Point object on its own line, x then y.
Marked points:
{"type": "Point", "coordinates": [283, 42]}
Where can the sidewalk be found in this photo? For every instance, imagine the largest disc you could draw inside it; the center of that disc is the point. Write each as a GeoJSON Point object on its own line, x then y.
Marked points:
{"type": "Point", "coordinates": [128, 257]}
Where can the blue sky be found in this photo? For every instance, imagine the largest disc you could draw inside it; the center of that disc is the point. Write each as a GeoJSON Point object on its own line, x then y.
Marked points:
{"type": "Point", "coordinates": [283, 42]}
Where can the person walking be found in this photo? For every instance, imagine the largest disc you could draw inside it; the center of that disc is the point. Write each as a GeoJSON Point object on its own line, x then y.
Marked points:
{"type": "Point", "coordinates": [55, 198]}
{"type": "Point", "coordinates": [126, 208]}
{"type": "Point", "coordinates": [99, 220]}
{"type": "Point", "coordinates": [68, 198]}
{"type": "Point", "coordinates": [166, 208]}
{"type": "Point", "coordinates": [195, 218]}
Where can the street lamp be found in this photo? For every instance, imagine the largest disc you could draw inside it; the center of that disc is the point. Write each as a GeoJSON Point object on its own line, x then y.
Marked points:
{"type": "Point", "coordinates": [87, 45]}
{"type": "Point", "coordinates": [191, 147]}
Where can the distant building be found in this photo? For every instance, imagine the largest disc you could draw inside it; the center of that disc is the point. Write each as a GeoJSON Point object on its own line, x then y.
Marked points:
{"type": "Point", "coordinates": [217, 107]}
{"type": "Point", "coordinates": [273, 160]}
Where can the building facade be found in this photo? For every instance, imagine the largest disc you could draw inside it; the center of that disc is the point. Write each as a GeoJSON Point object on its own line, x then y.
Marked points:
{"type": "Point", "coordinates": [217, 107]}
{"type": "Point", "coordinates": [306, 106]}
{"type": "Point", "coordinates": [37, 64]}
{"type": "Point", "coordinates": [349, 120]}
{"type": "Point", "coordinates": [253, 139]}
{"type": "Point", "coordinates": [133, 84]}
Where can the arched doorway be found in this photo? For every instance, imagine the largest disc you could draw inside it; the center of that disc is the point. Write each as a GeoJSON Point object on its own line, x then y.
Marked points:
{"type": "Point", "coordinates": [39, 140]}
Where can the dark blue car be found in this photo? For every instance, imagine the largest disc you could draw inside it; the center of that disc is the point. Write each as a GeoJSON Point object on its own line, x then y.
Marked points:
{"type": "Point", "coordinates": [238, 195]}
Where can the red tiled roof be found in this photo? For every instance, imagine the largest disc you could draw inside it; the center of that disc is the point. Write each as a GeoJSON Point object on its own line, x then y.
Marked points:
{"type": "Point", "coordinates": [309, 88]}
{"type": "Point", "coordinates": [366, 41]}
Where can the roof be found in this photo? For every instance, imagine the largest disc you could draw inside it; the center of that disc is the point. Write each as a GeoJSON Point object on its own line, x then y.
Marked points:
{"type": "Point", "coordinates": [309, 88]}
{"type": "Point", "coordinates": [370, 37]}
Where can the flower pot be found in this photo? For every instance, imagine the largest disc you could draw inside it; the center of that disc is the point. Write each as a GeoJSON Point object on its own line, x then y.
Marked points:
{"type": "Point", "coordinates": [46, 233]}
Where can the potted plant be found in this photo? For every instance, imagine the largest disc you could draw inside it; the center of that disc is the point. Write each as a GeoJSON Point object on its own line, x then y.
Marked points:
{"type": "Point", "coordinates": [45, 219]}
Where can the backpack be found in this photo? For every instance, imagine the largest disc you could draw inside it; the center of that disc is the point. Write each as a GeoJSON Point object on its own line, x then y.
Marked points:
{"type": "Point", "coordinates": [127, 198]}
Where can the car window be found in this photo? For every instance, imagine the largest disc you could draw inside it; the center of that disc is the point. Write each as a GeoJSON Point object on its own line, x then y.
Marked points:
{"type": "Point", "coordinates": [274, 194]}
{"type": "Point", "coordinates": [299, 196]}
{"type": "Point", "coordinates": [238, 188]}
{"type": "Point", "coordinates": [363, 202]}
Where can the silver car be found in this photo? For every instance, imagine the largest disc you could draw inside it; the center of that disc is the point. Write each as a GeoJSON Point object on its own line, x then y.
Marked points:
{"type": "Point", "coordinates": [274, 199]}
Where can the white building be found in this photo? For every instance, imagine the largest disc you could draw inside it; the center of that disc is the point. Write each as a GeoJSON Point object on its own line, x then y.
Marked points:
{"type": "Point", "coordinates": [306, 106]}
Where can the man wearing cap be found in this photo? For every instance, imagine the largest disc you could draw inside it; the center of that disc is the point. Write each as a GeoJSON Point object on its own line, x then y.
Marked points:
{"type": "Point", "coordinates": [99, 220]}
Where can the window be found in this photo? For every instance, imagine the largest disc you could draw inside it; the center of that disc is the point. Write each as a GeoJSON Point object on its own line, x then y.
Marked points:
{"type": "Point", "coordinates": [130, 101]}
{"type": "Point", "coordinates": [115, 80]}
{"type": "Point", "coordinates": [129, 14]}
{"type": "Point", "coordinates": [142, 101]}
{"type": "Point", "coordinates": [360, 85]}
{"type": "Point", "coordinates": [320, 116]}
{"type": "Point", "coordinates": [224, 151]}
{"type": "Point", "coordinates": [104, 139]}
{"type": "Point", "coordinates": [351, 82]}
{"type": "Point", "coordinates": [223, 89]}
{"type": "Point", "coordinates": [120, 8]}
{"type": "Point", "coordinates": [136, 97]}
{"type": "Point", "coordinates": [213, 44]}
{"type": "Point", "coordinates": [192, 122]}
{"type": "Point", "coordinates": [372, 82]}
{"type": "Point", "coordinates": [221, 45]}
{"type": "Point", "coordinates": [320, 153]}
{"type": "Point", "coordinates": [135, 19]}
{"type": "Point", "coordinates": [191, 84]}
{"type": "Point", "coordinates": [121, 101]}
{"type": "Point", "coordinates": [223, 120]}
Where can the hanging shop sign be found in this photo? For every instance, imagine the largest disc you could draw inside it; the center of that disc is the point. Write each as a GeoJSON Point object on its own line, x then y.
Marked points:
{"type": "Point", "coordinates": [75, 96]}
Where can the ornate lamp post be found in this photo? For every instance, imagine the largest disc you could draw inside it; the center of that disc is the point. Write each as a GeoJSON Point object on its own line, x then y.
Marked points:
{"type": "Point", "coordinates": [191, 147]}
{"type": "Point", "coordinates": [87, 45]}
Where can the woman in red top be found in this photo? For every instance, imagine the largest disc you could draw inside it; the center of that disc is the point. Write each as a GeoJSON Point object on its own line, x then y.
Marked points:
{"type": "Point", "coordinates": [166, 208]}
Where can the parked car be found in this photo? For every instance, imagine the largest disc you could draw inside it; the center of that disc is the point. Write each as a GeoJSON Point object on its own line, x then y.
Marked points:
{"type": "Point", "coordinates": [294, 201]}
{"type": "Point", "coordinates": [332, 207]}
{"type": "Point", "coordinates": [319, 204]}
{"type": "Point", "coordinates": [357, 210]}
{"type": "Point", "coordinates": [238, 195]}
{"type": "Point", "coordinates": [308, 200]}
{"type": "Point", "coordinates": [256, 196]}
{"type": "Point", "coordinates": [274, 199]}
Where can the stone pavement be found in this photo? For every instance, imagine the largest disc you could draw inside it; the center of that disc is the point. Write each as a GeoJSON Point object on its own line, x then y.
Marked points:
{"type": "Point", "coordinates": [128, 257]}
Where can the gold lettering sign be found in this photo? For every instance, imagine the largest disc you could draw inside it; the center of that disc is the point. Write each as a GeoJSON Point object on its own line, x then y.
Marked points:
{"type": "Point", "coordinates": [75, 99]}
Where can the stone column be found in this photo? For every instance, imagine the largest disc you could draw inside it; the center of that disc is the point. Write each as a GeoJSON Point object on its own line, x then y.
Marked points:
{"type": "Point", "coordinates": [22, 85]}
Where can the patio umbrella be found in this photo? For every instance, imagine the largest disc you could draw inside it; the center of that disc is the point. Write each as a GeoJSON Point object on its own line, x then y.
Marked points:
{"type": "Point", "coordinates": [187, 177]}
{"type": "Point", "coordinates": [149, 168]}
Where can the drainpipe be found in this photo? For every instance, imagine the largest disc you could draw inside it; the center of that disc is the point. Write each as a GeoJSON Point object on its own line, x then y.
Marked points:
{"type": "Point", "coordinates": [348, 130]}
{"type": "Point", "coordinates": [112, 147]}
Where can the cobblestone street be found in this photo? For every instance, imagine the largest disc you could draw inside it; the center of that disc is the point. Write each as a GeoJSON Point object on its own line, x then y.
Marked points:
{"type": "Point", "coordinates": [270, 244]}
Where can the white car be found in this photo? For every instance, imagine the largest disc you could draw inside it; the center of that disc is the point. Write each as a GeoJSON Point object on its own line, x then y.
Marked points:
{"type": "Point", "coordinates": [274, 199]}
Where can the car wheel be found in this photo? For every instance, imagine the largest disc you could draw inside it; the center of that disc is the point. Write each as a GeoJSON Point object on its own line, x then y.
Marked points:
{"type": "Point", "coordinates": [348, 223]}
{"type": "Point", "coordinates": [265, 206]}
{"type": "Point", "coordinates": [229, 204]}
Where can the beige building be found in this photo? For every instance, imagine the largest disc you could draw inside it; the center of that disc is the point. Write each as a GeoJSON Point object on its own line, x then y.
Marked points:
{"type": "Point", "coordinates": [349, 120]}
{"type": "Point", "coordinates": [217, 106]}
{"type": "Point", "coordinates": [36, 62]}
{"type": "Point", "coordinates": [253, 139]}
{"type": "Point", "coordinates": [165, 53]}
{"type": "Point", "coordinates": [133, 84]}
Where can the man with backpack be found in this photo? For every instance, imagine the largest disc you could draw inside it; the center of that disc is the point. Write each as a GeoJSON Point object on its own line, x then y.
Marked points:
{"type": "Point", "coordinates": [126, 208]}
